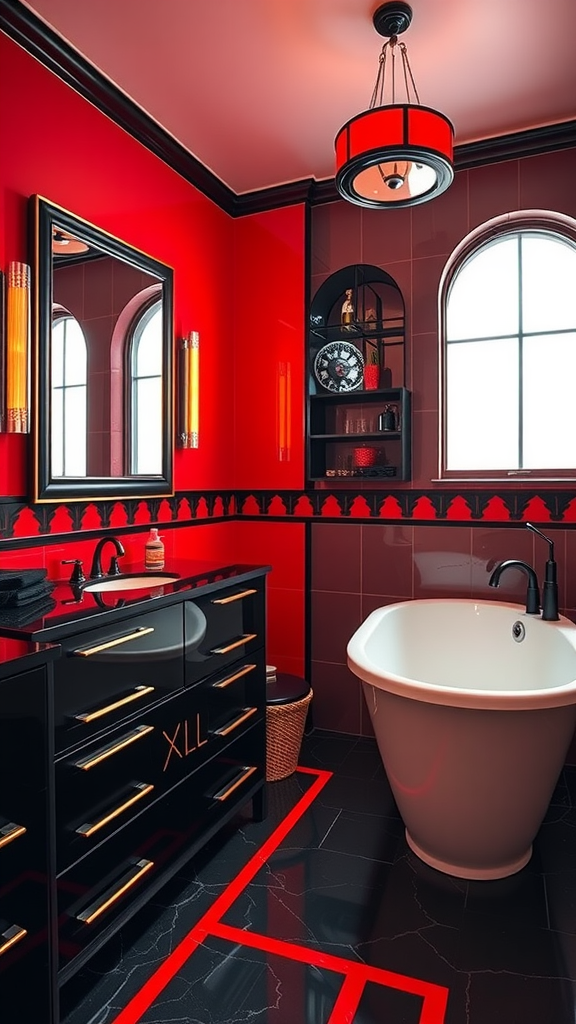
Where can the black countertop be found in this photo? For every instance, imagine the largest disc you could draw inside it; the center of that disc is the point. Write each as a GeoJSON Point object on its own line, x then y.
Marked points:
{"type": "Point", "coordinates": [76, 610]}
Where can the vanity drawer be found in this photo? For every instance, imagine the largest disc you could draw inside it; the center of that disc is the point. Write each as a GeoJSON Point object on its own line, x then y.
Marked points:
{"type": "Point", "coordinates": [97, 894]}
{"type": "Point", "coordinates": [229, 693]}
{"type": "Point", "coordinates": [223, 627]}
{"type": "Point", "coordinates": [103, 785]}
{"type": "Point", "coordinates": [107, 675]}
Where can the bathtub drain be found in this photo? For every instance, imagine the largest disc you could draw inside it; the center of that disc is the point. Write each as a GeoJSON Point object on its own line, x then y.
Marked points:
{"type": "Point", "coordinates": [518, 631]}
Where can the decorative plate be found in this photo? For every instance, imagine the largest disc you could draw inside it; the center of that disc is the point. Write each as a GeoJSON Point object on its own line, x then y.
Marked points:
{"type": "Point", "coordinates": [339, 366]}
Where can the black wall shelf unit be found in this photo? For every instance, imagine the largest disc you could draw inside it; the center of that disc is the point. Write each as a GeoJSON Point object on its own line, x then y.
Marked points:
{"type": "Point", "coordinates": [359, 427]}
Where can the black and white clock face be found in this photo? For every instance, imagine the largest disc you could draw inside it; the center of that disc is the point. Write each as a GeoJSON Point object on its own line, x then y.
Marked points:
{"type": "Point", "coordinates": [339, 366]}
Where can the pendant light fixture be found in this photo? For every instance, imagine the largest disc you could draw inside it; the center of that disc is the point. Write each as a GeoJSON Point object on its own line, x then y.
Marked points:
{"type": "Point", "coordinates": [394, 154]}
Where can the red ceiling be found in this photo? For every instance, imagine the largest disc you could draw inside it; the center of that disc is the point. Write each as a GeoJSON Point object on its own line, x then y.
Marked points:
{"type": "Point", "coordinates": [257, 89]}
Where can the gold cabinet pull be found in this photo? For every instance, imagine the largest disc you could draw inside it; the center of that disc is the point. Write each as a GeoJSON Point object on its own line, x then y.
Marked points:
{"type": "Point", "coordinates": [223, 683]}
{"type": "Point", "coordinates": [10, 832]}
{"type": "Point", "coordinates": [225, 793]}
{"type": "Point", "coordinates": [237, 643]}
{"type": "Point", "coordinates": [225, 729]}
{"type": "Point", "coordinates": [142, 789]}
{"type": "Point", "coordinates": [90, 716]}
{"type": "Point", "coordinates": [87, 652]}
{"type": "Point", "coordinates": [10, 937]}
{"type": "Point", "coordinates": [111, 895]}
{"type": "Point", "coordinates": [86, 763]}
{"type": "Point", "coordinates": [234, 597]}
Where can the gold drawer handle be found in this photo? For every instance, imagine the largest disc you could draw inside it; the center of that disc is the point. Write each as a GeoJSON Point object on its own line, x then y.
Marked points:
{"type": "Point", "coordinates": [94, 910]}
{"type": "Point", "coordinates": [222, 683]}
{"type": "Point", "coordinates": [90, 716]}
{"type": "Point", "coordinates": [11, 936]}
{"type": "Point", "coordinates": [223, 795]}
{"type": "Point", "coordinates": [237, 643]}
{"type": "Point", "coordinates": [86, 763]}
{"type": "Point", "coordinates": [234, 597]}
{"type": "Point", "coordinates": [87, 652]}
{"type": "Point", "coordinates": [89, 829]}
{"type": "Point", "coordinates": [237, 721]}
{"type": "Point", "coordinates": [9, 832]}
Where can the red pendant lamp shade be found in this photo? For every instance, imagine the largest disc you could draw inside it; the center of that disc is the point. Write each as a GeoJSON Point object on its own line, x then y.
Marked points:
{"type": "Point", "coordinates": [398, 154]}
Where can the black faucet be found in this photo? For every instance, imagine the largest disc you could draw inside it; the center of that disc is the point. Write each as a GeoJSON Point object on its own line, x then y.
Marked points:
{"type": "Point", "coordinates": [96, 570]}
{"type": "Point", "coordinates": [532, 593]}
{"type": "Point", "coordinates": [550, 588]}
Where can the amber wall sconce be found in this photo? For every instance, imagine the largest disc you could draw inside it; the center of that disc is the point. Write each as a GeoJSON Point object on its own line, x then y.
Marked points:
{"type": "Point", "coordinates": [284, 401]}
{"type": "Point", "coordinates": [188, 390]}
{"type": "Point", "coordinates": [16, 387]}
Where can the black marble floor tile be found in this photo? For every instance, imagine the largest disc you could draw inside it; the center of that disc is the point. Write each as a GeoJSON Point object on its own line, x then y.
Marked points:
{"type": "Point", "coordinates": [233, 983]}
{"type": "Point", "coordinates": [344, 884]}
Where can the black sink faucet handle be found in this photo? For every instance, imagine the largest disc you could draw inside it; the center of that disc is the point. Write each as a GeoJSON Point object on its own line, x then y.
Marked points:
{"type": "Point", "coordinates": [77, 574]}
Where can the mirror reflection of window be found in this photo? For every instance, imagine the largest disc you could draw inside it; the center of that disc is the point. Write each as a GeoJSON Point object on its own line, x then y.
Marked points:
{"type": "Point", "coordinates": [146, 392]}
{"type": "Point", "coordinates": [68, 396]}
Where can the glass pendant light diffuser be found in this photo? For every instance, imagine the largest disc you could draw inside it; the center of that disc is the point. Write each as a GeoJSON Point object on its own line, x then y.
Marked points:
{"type": "Point", "coordinates": [394, 154]}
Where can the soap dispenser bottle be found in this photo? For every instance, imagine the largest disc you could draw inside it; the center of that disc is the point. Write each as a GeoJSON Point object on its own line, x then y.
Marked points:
{"type": "Point", "coordinates": [154, 551]}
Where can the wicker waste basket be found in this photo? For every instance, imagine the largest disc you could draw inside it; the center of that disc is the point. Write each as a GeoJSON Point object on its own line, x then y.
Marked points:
{"type": "Point", "coordinates": [287, 700]}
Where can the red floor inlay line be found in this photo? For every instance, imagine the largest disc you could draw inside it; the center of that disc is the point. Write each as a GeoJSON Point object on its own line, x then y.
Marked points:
{"type": "Point", "coordinates": [355, 975]}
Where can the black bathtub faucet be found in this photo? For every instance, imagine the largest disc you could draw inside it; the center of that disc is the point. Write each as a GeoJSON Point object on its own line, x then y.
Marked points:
{"type": "Point", "coordinates": [549, 589]}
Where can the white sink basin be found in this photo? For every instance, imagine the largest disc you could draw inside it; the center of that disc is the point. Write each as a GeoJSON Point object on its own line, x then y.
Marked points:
{"type": "Point", "coordinates": [145, 582]}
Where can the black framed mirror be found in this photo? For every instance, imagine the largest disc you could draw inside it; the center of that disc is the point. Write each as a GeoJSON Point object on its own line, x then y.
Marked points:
{"type": "Point", "coordinates": [102, 366]}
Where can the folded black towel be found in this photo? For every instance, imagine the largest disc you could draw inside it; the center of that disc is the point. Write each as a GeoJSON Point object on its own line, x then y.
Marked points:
{"type": "Point", "coordinates": [17, 617]}
{"type": "Point", "coordinates": [26, 595]}
{"type": "Point", "coordinates": [13, 579]}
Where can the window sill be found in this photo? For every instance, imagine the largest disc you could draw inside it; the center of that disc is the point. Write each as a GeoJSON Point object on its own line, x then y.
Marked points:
{"type": "Point", "coordinates": [515, 479]}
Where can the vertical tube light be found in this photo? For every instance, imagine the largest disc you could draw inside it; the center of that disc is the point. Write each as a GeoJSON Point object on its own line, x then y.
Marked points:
{"type": "Point", "coordinates": [17, 348]}
{"type": "Point", "coordinates": [189, 390]}
{"type": "Point", "coordinates": [284, 401]}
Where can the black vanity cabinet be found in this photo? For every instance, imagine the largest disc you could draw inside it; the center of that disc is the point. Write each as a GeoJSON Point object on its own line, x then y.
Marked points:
{"type": "Point", "coordinates": [26, 992]}
{"type": "Point", "coordinates": [141, 740]}
{"type": "Point", "coordinates": [159, 737]}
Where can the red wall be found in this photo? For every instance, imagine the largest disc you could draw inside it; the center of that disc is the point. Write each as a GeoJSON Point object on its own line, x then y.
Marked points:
{"type": "Point", "coordinates": [239, 283]}
{"type": "Point", "coordinates": [413, 246]}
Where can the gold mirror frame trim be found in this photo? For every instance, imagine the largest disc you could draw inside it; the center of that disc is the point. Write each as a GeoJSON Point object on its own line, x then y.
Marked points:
{"type": "Point", "coordinates": [45, 487]}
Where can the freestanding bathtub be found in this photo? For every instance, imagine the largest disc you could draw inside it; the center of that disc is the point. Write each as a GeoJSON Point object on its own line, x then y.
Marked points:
{"type": "Point", "coordinates": [473, 705]}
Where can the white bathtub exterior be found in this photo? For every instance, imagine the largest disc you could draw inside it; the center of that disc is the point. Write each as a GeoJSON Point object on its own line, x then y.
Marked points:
{"type": "Point", "coordinates": [472, 726]}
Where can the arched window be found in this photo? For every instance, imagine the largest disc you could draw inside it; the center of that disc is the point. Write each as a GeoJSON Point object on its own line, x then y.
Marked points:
{"type": "Point", "coordinates": [145, 399]}
{"type": "Point", "coordinates": [508, 306]}
{"type": "Point", "coordinates": [68, 396]}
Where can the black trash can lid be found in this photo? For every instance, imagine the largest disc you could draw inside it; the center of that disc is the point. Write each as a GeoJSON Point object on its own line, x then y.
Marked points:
{"type": "Point", "coordinates": [286, 689]}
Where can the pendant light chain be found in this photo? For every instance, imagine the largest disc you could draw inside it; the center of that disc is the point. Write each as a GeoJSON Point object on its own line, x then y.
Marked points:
{"type": "Point", "coordinates": [378, 98]}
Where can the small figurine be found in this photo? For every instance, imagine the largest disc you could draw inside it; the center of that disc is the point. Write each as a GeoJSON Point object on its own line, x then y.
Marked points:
{"type": "Point", "coordinates": [371, 319]}
{"type": "Point", "coordinates": [347, 317]}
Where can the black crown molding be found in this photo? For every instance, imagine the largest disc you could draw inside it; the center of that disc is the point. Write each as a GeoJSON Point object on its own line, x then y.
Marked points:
{"type": "Point", "coordinates": [34, 36]}
{"type": "Point", "coordinates": [39, 40]}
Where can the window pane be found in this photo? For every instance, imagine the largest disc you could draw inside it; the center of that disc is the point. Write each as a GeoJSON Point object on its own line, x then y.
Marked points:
{"type": "Point", "coordinates": [57, 437]}
{"type": "Point", "coordinates": [75, 431]}
{"type": "Point", "coordinates": [58, 353]}
{"type": "Point", "coordinates": [482, 405]}
{"type": "Point", "coordinates": [483, 300]}
{"type": "Point", "coordinates": [74, 353]}
{"type": "Point", "coordinates": [549, 407]}
{"type": "Point", "coordinates": [149, 346]}
{"type": "Point", "coordinates": [548, 284]}
{"type": "Point", "coordinates": [148, 426]}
